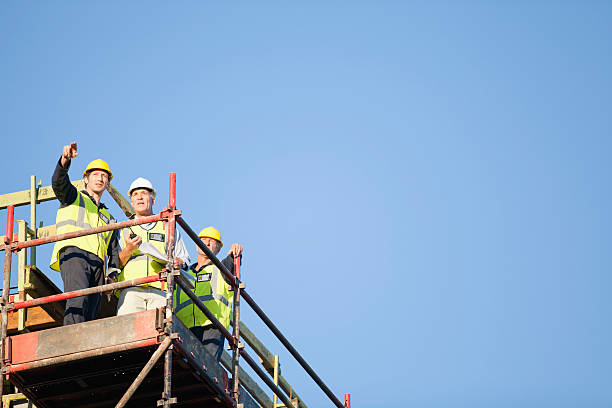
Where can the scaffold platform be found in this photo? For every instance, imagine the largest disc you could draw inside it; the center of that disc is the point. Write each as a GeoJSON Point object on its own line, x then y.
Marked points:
{"type": "Point", "coordinates": [92, 364]}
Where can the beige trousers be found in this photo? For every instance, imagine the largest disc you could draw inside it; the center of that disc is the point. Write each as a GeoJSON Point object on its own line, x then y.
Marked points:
{"type": "Point", "coordinates": [134, 300]}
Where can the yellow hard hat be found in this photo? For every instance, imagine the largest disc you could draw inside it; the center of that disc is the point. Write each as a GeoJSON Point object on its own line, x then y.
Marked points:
{"type": "Point", "coordinates": [210, 232]}
{"type": "Point", "coordinates": [98, 164]}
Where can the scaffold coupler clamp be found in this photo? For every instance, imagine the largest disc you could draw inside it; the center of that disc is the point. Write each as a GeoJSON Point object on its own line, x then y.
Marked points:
{"type": "Point", "coordinates": [230, 347]}
{"type": "Point", "coordinates": [166, 401]}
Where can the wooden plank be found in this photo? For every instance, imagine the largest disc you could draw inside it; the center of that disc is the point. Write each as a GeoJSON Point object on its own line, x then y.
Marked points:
{"type": "Point", "coordinates": [42, 232]}
{"type": "Point", "coordinates": [15, 401]}
{"type": "Point", "coordinates": [37, 285]}
{"type": "Point", "coordinates": [23, 197]}
{"type": "Point", "coordinates": [21, 261]}
{"type": "Point", "coordinates": [47, 231]}
{"type": "Point", "coordinates": [249, 384]}
{"type": "Point", "coordinates": [121, 201]}
{"type": "Point", "coordinates": [267, 360]}
{"type": "Point", "coordinates": [37, 319]}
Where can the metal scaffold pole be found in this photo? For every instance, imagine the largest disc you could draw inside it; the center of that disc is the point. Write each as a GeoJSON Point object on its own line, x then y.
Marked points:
{"type": "Point", "coordinates": [236, 333]}
{"type": "Point", "coordinates": [5, 291]}
{"type": "Point", "coordinates": [167, 399]}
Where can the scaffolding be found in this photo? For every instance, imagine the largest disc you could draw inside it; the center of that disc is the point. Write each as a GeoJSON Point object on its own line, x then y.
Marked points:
{"type": "Point", "coordinates": [188, 376]}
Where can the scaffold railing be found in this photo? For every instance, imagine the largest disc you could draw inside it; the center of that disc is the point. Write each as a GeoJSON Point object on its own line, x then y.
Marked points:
{"type": "Point", "coordinates": [171, 277]}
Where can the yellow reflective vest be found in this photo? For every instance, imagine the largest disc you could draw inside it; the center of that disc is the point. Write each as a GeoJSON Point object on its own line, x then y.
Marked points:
{"type": "Point", "coordinates": [82, 214]}
{"type": "Point", "coordinates": [140, 264]}
{"type": "Point", "coordinates": [210, 288]}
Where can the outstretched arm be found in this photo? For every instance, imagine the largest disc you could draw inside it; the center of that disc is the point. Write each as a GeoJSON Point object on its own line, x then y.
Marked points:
{"type": "Point", "coordinates": [65, 192]}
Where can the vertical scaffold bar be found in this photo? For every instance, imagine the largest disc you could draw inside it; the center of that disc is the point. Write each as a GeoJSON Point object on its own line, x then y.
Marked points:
{"type": "Point", "coordinates": [33, 197]}
{"type": "Point", "coordinates": [10, 213]}
{"type": "Point", "coordinates": [21, 272]}
{"type": "Point", "coordinates": [167, 399]}
{"type": "Point", "coordinates": [274, 403]}
{"type": "Point", "coordinates": [347, 400]}
{"type": "Point", "coordinates": [236, 332]}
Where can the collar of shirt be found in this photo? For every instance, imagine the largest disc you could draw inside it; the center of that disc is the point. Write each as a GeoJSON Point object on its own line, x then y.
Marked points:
{"type": "Point", "coordinates": [146, 226]}
{"type": "Point", "coordinates": [193, 267]}
{"type": "Point", "coordinates": [101, 205]}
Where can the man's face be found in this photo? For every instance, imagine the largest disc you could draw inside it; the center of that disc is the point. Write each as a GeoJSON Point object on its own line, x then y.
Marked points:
{"type": "Point", "coordinates": [212, 244]}
{"type": "Point", "coordinates": [97, 180]}
{"type": "Point", "coordinates": [142, 201]}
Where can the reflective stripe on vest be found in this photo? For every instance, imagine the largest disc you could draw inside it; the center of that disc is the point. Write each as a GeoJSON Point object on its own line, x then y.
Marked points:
{"type": "Point", "coordinates": [81, 215]}
{"type": "Point", "coordinates": [215, 295]}
{"type": "Point", "coordinates": [140, 264]}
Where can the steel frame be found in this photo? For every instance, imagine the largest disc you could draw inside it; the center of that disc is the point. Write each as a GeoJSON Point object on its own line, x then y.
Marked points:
{"type": "Point", "coordinates": [172, 216]}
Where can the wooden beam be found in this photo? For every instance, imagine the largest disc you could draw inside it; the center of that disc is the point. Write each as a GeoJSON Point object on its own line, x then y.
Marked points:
{"type": "Point", "coordinates": [37, 319]}
{"type": "Point", "coordinates": [121, 201]}
{"type": "Point", "coordinates": [37, 284]}
{"type": "Point", "coordinates": [21, 261]}
{"type": "Point", "coordinates": [23, 197]}
{"type": "Point", "coordinates": [267, 360]}
{"type": "Point", "coordinates": [247, 382]}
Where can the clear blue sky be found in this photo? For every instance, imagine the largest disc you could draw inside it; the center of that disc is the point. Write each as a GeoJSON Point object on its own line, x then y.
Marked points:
{"type": "Point", "coordinates": [420, 187]}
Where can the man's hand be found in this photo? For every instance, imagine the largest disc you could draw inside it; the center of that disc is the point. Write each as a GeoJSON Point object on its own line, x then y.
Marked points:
{"type": "Point", "coordinates": [132, 244]}
{"type": "Point", "coordinates": [111, 278]}
{"type": "Point", "coordinates": [235, 250]}
{"type": "Point", "coordinates": [178, 263]}
{"type": "Point", "coordinates": [68, 153]}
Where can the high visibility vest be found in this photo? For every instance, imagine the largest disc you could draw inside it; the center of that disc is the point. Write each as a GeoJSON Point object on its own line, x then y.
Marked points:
{"type": "Point", "coordinates": [82, 214]}
{"type": "Point", "coordinates": [140, 264]}
{"type": "Point", "coordinates": [210, 288]}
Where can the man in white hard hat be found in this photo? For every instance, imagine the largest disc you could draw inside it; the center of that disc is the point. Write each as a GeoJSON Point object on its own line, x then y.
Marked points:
{"type": "Point", "coordinates": [144, 253]}
{"type": "Point", "coordinates": [81, 260]}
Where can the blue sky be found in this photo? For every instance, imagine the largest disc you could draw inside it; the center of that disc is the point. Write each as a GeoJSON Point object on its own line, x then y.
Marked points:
{"type": "Point", "coordinates": [420, 187]}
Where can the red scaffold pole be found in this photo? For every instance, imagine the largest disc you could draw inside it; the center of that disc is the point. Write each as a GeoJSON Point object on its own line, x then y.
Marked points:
{"type": "Point", "coordinates": [236, 333]}
{"type": "Point", "coordinates": [86, 291]}
{"type": "Point", "coordinates": [167, 400]}
{"type": "Point", "coordinates": [10, 213]}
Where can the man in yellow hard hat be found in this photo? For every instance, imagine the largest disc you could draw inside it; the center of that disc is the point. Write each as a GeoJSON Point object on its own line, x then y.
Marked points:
{"type": "Point", "coordinates": [212, 289]}
{"type": "Point", "coordinates": [144, 253]}
{"type": "Point", "coordinates": [81, 260]}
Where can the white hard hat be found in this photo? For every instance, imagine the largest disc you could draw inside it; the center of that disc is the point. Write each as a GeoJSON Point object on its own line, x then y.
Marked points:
{"type": "Point", "coordinates": [141, 182]}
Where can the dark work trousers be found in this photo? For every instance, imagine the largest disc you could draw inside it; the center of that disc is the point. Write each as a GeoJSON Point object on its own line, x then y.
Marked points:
{"type": "Point", "coordinates": [211, 338]}
{"type": "Point", "coordinates": [81, 270]}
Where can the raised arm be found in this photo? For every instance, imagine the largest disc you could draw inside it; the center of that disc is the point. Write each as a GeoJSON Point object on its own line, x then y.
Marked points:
{"type": "Point", "coordinates": [65, 192]}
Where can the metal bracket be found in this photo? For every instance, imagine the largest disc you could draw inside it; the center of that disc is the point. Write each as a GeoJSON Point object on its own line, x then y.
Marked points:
{"type": "Point", "coordinates": [159, 319]}
{"type": "Point", "coordinates": [241, 286]}
{"type": "Point", "coordinates": [166, 212]}
{"type": "Point", "coordinates": [240, 346]}
{"type": "Point", "coordinates": [8, 347]}
{"type": "Point", "coordinates": [168, 401]}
